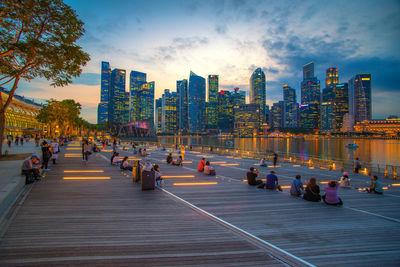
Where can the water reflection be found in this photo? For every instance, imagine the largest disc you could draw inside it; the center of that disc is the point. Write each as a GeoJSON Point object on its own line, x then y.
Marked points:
{"type": "Point", "coordinates": [369, 150]}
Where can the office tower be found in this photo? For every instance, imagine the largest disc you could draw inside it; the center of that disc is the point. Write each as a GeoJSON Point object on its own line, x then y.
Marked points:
{"type": "Point", "coordinates": [169, 119]}
{"type": "Point", "coordinates": [182, 90]}
{"type": "Point", "coordinates": [361, 97]}
{"type": "Point", "coordinates": [116, 106]}
{"type": "Point", "coordinates": [310, 94]}
{"type": "Point", "coordinates": [289, 107]}
{"type": "Point", "coordinates": [102, 112]}
{"type": "Point", "coordinates": [257, 91]}
{"type": "Point", "coordinates": [197, 103]}
{"type": "Point", "coordinates": [212, 102]}
{"type": "Point", "coordinates": [225, 112]}
{"type": "Point", "coordinates": [145, 103]}
{"type": "Point", "coordinates": [277, 115]}
{"type": "Point", "coordinates": [136, 80]}
{"type": "Point", "coordinates": [158, 115]}
{"type": "Point", "coordinates": [247, 120]}
{"type": "Point", "coordinates": [340, 104]}
{"type": "Point", "coordinates": [267, 115]}
{"type": "Point", "coordinates": [327, 116]}
{"type": "Point", "coordinates": [126, 108]}
{"type": "Point", "coordinates": [332, 77]}
{"type": "Point", "coordinates": [238, 97]}
{"type": "Point", "coordinates": [309, 115]}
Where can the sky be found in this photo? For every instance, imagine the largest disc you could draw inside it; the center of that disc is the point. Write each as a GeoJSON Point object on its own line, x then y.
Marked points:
{"type": "Point", "coordinates": [231, 38]}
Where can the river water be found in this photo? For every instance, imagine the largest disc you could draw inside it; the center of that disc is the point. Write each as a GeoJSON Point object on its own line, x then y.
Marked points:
{"type": "Point", "coordinates": [374, 151]}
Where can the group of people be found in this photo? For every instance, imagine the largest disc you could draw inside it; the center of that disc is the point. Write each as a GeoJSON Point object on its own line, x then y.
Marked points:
{"type": "Point", "coordinates": [205, 167]}
{"type": "Point", "coordinates": [311, 191]}
{"type": "Point", "coordinates": [178, 162]}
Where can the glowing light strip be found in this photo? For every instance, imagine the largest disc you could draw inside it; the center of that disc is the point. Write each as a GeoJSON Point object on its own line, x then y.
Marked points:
{"type": "Point", "coordinates": [70, 171]}
{"type": "Point", "coordinates": [73, 154]}
{"type": "Point", "coordinates": [107, 150]}
{"type": "Point", "coordinates": [195, 152]}
{"type": "Point", "coordinates": [296, 165]}
{"type": "Point", "coordinates": [87, 178]}
{"type": "Point", "coordinates": [218, 162]}
{"type": "Point", "coordinates": [324, 182]}
{"type": "Point", "coordinates": [187, 161]}
{"type": "Point", "coordinates": [395, 184]}
{"type": "Point", "coordinates": [178, 176]}
{"type": "Point", "coordinates": [272, 166]}
{"type": "Point", "coordinates": [285, 186]}
{"type": "Point", "coordinates": [230, 164]}
{"type": "Point", "coordinates": [190, 184]}
{"type": "Point", "coordinates": [74, 148]}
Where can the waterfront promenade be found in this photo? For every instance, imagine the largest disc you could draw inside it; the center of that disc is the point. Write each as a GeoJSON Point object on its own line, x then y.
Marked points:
{"type": "Point", "coordinates": [108, 220]}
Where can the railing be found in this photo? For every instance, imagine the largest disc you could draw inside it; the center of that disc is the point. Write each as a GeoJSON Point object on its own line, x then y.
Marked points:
{"type": "Point", "coordinates": [388, 171]}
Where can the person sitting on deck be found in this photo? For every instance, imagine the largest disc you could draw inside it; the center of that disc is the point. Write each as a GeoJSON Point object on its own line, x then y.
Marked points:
{"type": "Point", "coordinates": [345, 181]}
{"type": "Point", "coordinates": [116, 161]}
{"type": "Point", "coordinates": [296, 189]}
{"type": "Point", "coordinates": [140, 151]}
{"type": "Point", "coordinates": [263, 162]}
{"type": "Point", "coordinates": [331, 197]}
{"type": "Point", "coordinates": [148, 167]}
{"type": "Point", "coordinates": [28, 167]}
{"type": "Point", "coordinates": [125, 164]}
{"type": "Point", "coordinates": [251, 177]}
{"type": "Point", "coordinates": [202, 163]}
{"type": "Point", "coordinates": [159, 179]}
{"type": "Point", "coordinates": [272, 182]}
{"type": "Point", "coordinates": [312, 191]}
{"type": "Point", "coordinates": [112, 157]}
{"type": "Point", "coordinates": [208, 170]}
{"type": "Point", "coordinates": [376, 186]}
{"type": "Point", "coordinates": [169, 158]}
{"type": "Point", "coordinates": [178, 162]}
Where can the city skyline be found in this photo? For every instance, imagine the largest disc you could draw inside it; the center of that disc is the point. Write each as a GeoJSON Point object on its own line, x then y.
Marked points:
{"type": "Point", "coordinates": [231, 39]}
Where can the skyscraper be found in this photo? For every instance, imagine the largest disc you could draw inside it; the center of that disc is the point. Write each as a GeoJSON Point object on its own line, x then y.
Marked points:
{"type": "Point", "coordinates": [225, 112]}
{"type": "Point", "coordinates": [116, 106]}
{"type": "Point", "coordinates": [361, 97]}
{"type": "Point", "coordinates": [211, 106]}
{"type": "Point", "coordinates": [197, 103]}
{"type": "Point", "coordinates": [158, 115]}
{"type": "Point", "coordinates": [277, 115]}
{"type": "Point", "coordinates": [126, 108]}
{"type": "Point", "coordinates": [289, 107]}
{"type": "Point", "coordinates": [102, 112]}
{"type": "Point", "coordinates": [327, 116]}
{"type": "Point", "coordinates": [238, 97]}
{"type": "Point", "coordinates": [340, 104]}
{"type": "Point", "coordinates": [169, 116]}
{"type": "Point", "coordinates": [136, 80]}
{"type": "Point", "coordinates": [247, 121]}
{"type": "Point", "coordinates": [145, 102]}
{"type": "Point", "coordinates": [257, 91]}
{"type": "Point", "coordinates": [310, 94]}
{"type": "Point", "coordinates": [332, 77]}
{"type": "Point", "coordinates": [182, 90]}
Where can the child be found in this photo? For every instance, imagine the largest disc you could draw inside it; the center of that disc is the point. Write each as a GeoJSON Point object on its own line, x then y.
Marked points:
{"type": "Point", "coordinates": [345, 181]}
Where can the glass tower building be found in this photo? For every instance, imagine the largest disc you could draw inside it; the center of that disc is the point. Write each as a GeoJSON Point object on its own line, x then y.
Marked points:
{"type": "Point", "coordinates": [289, 107]}
{"type": "Point", "coordinates": [212, 103]}
{"type": "Point", "coordinates": [277, 115]}
{"type": "Point", "coordinates": [169, 117]}
{"type": "Point", "coordinates": [182, 90]}
{"type": "Point", "coordinates": [257, 91]}
{"type": "Point", "coordinates": [102, 111]}
{"type": "Point", "coordinates": [247, 120]}
{"type": "Point", "coordinates": [158, 115]}
{"type": "Point", "coordinates": [238, 97]}
{"type": "Point", "coordinates": [362, 97]}
{"type": "Point", "coordinates": [340, 104]}
{"type": "Point", "coordinates": [145, 102]}
{"type": "Point", "coordinates": [136, 80]}
{"type": "Point", "coordinates": [116, 106]}
{"type": "Point", "coordinates": [197, 103]}
{"type": "Point", "coordinates": [332, 77]}
{"type": "Point", "coordinates": [225, 112]}
{"type": "Point", "coordinates": [310, 98]}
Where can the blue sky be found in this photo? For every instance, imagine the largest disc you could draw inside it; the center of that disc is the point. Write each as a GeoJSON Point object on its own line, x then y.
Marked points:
{"type": "Point", "coordinates": [168, 39]}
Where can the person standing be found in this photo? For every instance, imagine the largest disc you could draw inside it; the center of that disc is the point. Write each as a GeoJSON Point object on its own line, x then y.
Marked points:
{"type": "Point", "coordinates": [16, 140]}
{"type": "Point", "coordinates": [86, 150]}
{"type": "Point", "coordinates": [357, 166]}
{"type": "Point", "coordinates": [22, 140]}
{"type": "Point", "coordinates": [9, 141]}
{"type": "Point", "coordinates": [46, 155]}
{"type": "Point", "coordinates": [275, 159]}
{"type": "Point", "coordinates": [55, 150]}
{"type": "Point", "coordinates": [37, 139]}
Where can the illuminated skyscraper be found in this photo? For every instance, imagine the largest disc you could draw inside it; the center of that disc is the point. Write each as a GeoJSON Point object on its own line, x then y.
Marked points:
{"type": "Point", "coordinates": [309, 115]}
{"type": "Point", "coordinates": [145, 102]}
{"type": "Point", "coordinates": [310, 94]}
{"type": "Point", "coordinates": [102, 112]}
{"type": "Point", "coordinates": [212, 103]}
{"type": "Point", "coordinates": [247, 120]}
{"type": "Point", "coordinates": [360, 97]}
{"type": "Point", "coordinates": [277, 115]}
{"type": "Point", "coordinates": [327, 116]}
{"type": "Point", "coordinates": [183, 110]}
{"type": "Point", "coordinates": [126, 108]}
{"type": "Point", "coordinates": [197, 103]}
{"type": "Point", "coordinates": [332, 77]}
{"type": "Point", "coordinates": [116, 106]}
{"type": "Point", "coordinates": [169, 117]}
{"type": "Point", "coordinates": [257, 91]}
{"type": "Point", "coordinates": [136, 80]}
{"type": "Point", "coordinates": [340, 104]}
{"type": "Point", "coordinates": [158, 115]}
{"type": "Point", "coordinates": [225, 112]}
{"type": "Point", "coordinates": [238, 97]}
{"type": "Point", "coordinates": [289, 107]}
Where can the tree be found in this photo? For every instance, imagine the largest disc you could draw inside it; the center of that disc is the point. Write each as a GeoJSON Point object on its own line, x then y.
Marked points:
{"type": "Point", "coordinates": [63, 114]}
{"type": "Point", "coordinates": [38, 39]}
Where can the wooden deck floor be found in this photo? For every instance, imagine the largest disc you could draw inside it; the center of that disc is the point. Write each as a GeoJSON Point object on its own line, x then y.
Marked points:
{"type": "Point", "coordinates": [112, 222]}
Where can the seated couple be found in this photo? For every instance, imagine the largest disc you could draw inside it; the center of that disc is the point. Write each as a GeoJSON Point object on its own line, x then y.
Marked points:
{"type": "Point", "coordinates": [206, 167]}
{"type": "Point", "coordinates": [271, 180]}
{"type": "Point", "coordinates": [171, 161]}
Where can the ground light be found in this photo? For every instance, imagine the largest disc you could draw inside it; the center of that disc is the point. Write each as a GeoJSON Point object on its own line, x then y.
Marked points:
{"type": "Point", "coordinates": [176, 176]}
{"type": "Point", "coordinates": [195, 184]}
{"type": "Point", "coordinates": [74, 171]}
{"type": "Point", "coordinates": [86, 178]}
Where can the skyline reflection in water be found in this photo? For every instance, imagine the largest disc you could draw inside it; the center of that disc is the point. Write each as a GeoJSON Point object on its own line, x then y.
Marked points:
{"type": "Point", "coordinates": [376, 151]}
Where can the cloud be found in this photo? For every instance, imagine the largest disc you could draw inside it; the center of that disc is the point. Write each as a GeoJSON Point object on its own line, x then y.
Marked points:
{"type": "Point", "coordinates": [221, 29]}
{"type": "Point", "coordinates": [88, 79]}
{"type": "Point", "coordinates": [179, 45]}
